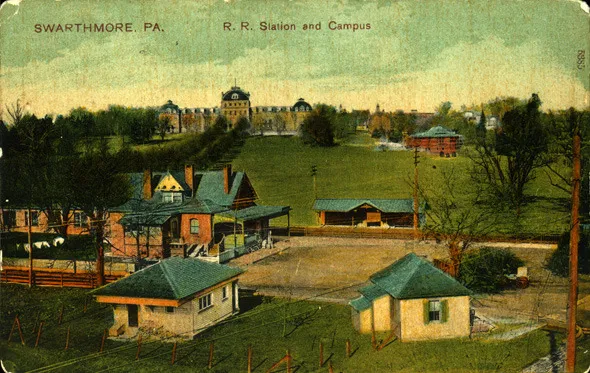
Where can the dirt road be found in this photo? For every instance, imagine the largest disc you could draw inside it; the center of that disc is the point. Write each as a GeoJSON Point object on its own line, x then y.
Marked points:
{"type": "Point", "coordinates": [332, 269]}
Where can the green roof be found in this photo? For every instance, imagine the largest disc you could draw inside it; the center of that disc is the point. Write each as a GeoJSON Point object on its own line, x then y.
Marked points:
{"type": "Point", "coordinates": [361, 303]}
{"type": "Point", "coordinates": [438, 131]}
{"type": "Point", "coordinates": [211, 187]}
{"type": "Point", "coordinates": [414, 277]}
{"type": "Point", "coordinates": [257, 212]}
{"type": "Point", "coordinates": [384, 205]}
{"type": "Point", "coordinates": [173, 278]}
{"type": "Point", "coordinates": [372, 292]}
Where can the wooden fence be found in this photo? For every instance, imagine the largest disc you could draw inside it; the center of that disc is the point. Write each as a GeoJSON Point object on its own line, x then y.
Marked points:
{"type": "Point", "coordinates": [53, 278]}
{"type": "Point", "coordinates": [400, 233]}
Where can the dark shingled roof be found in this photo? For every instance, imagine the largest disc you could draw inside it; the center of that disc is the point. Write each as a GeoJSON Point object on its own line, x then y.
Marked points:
{"type": "Point", "coordinates": [302, 105]}
{"type": "Point", "coordinates": [348, 204]}
{"type": "Point", "coordinates": [169, 105]}
{"type": "Point", "coordinates": [227, 96]}
{"type": "Point", "coordinates": [438, 131]}
{"type": "Point", "coordinates": [173, 278]}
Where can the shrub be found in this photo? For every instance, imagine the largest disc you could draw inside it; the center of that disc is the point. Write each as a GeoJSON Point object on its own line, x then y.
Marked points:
{"type": "Point", "coordinates": [558, 262]}
{"type": "Point", "coordinates": [484, 270]}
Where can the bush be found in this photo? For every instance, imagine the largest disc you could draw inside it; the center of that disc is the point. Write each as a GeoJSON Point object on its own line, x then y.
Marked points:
{"type": "Point", "coordinates": [484, 270]}
{"type": "Point", "coordinates": [558, 262]}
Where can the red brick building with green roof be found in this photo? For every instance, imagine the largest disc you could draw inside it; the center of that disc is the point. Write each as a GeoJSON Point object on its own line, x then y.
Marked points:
{"type": "Point", "coordinates": [437, 140]}
{"type": "Point", "coordinates": [175, 297]}
{"type": "Point", "coordinates": [415, 301]}
{"type": "Point", "coordinates": [212, 215]}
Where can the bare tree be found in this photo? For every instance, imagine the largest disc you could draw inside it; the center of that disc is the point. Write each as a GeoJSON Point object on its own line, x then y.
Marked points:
{"type": "Point", "coordinates": [453, 217]}
{"type": "Point", "coordinates": [16, 111]}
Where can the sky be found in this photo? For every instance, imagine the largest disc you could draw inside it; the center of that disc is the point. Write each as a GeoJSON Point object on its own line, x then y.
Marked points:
{"type": "Point", "coordinates": [415, 55]}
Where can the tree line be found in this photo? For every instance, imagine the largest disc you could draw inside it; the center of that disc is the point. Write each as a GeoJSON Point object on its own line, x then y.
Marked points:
{"type": "Point", "coordinates": [64, 165]}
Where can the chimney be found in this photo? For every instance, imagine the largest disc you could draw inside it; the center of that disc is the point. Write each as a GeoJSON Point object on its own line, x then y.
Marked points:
{"type": "Point", "coordinates": [189, 177]}
{"type": "Point", "coordinates": [147, 184]}
{"type": "Point", "coordinates": [226, 178]}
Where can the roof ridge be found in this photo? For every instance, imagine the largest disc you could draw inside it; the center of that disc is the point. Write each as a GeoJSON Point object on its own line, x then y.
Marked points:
{"type": "Point", "coordinates": [169, 278]}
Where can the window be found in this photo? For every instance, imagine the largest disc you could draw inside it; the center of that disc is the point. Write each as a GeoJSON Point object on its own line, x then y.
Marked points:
{"type": "Point", "coordinates": [194, 226]}
{"type": "Point", "coordinates": [172, 197]}
{"type": "Point", "coordinates": [205, 302]}
{"type": "Point", "coordinates": [169, 309]}
{"type": "Point", "coordinates": [80, 219]}
{"type": "Point", "coordinates": [234, 96]}
{"type": "Point", "coordinates": [34, 217]}
{"type": "Point", "coordinates": [9, 218]}
{"type": "Point", "coordinates": [224, 293]}
{"type": "Point", "coordinates": [434, 310]}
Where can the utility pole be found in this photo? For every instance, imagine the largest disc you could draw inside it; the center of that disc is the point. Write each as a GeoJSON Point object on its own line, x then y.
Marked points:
{"type": "Point", "coordinates": [570, 357]}
{"type": "Point", "coordinates": [30, 240]}
{"type": "Point", "coordinates": [416, 202]}
{"type": "Point", "coordinates": [314, 172]}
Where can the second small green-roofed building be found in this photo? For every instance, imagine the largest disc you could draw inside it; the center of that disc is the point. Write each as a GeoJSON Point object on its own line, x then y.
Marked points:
{"type": "Point", "coordinates": [414, 300]}
{"type": "Point", "coordinates": [175, 297]}
{"type": "Point", "coordinates": [368, 212]}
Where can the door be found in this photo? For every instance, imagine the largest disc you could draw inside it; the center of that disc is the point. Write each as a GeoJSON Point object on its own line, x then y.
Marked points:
{"type": "Point", "coordinates": [132, 317]}
{"type": "Point", "coordinates": [234, 293]}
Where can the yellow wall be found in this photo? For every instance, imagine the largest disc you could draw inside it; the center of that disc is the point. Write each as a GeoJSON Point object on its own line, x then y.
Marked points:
{"type": "Point", "coordinates": [186, 320]}
{"type": "Point", "coordinates": [412, 320]}
{"type": "Point", "coordinates": [383, 313]}
{"type": "Point", "coordinates": [219, 310]}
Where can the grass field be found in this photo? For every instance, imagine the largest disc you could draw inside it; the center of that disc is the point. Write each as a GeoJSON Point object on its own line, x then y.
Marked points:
{"type": "Point", "coordinates": [270, 326]}
{"type": "Point", "coordinates": [280, 170]}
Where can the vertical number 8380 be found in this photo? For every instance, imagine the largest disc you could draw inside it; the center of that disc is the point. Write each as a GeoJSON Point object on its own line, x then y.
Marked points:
{"type": "Point", "coordinates": [581, 59]}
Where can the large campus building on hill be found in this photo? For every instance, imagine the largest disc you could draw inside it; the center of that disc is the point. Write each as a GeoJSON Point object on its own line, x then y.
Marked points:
{"type": "Point", "coordinates": [235, 104]}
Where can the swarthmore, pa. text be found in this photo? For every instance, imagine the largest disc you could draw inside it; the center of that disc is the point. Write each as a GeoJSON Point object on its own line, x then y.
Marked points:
{"type": "Point", "coordinates": [95, 27]}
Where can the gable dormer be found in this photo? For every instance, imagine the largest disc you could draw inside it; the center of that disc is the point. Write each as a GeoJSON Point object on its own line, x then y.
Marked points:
{"type": "Point", "coordinates": [170, 189]}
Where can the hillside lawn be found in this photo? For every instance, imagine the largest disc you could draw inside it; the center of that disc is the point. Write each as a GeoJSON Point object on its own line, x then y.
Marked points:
{"type": "Point", "coordinates": [270, 325]}
{"type": "Point", "coordinates": [280, 171]}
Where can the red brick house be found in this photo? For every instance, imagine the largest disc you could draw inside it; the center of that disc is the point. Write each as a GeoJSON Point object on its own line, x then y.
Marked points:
{"type": "Point", "coordinates": [437, 140]}
{"type": "Point", "coordinates": [211, 214]}
{"type": "Point", "coordinates": [15, 219]}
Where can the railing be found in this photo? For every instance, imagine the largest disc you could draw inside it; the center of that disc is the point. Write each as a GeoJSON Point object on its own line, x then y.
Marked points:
{"type": "Point", "coordinates": [53, 278]}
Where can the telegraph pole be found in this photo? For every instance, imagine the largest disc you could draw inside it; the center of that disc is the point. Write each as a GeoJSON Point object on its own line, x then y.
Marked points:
{"type": "Point", "coordinates": [570, 362]}
{"type": "Point", "coordinates": [416, 202]}
{"type": "Point", "coordinates": [314, 172]}
{"type": "Point", "coordinates": [30, 240]}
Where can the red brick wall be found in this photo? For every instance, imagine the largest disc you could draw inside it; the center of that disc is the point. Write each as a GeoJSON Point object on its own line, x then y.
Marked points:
{"type": "Point", "coordinates": [43, 226]}
{"type": "Point", "coordinates": [446, 145]}
{"type": "Point", "coordinates": [205, 228]}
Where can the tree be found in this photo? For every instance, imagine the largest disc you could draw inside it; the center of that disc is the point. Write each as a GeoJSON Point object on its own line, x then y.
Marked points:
{"type": "Point", "coordinates": [142, 125]}
{"type": "Point", "coordinates": [163, 127]}
{"type": "Point", "coordinates": [16, 112]}
{"type": "Point", "coordinates": [318, 128]}
{"type": "Point", "coordinates": [558, 262]}
{"type": "Point", "coordinates": [506, 161]}
{"type": "Point", "coordinates": [457, 220]}
{"type": "Point", "coordinates": [485, 270]}
{"type": "Point", "coordinates": [258, 124]}
{"type": "Point", "coordinates": [99, 186]}
{"type": "Point", "coordinates": [480, 129]}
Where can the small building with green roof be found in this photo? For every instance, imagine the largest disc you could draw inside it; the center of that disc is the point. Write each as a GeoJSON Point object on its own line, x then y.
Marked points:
{"type": "Point", "coordinates": [415, 301]}
{"type": "Point", "coordinates": [367, 212]}
{"type": "Point", "coordinates": [175, 297]}
{"type": "Point", "coordinates": [437, 140]}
